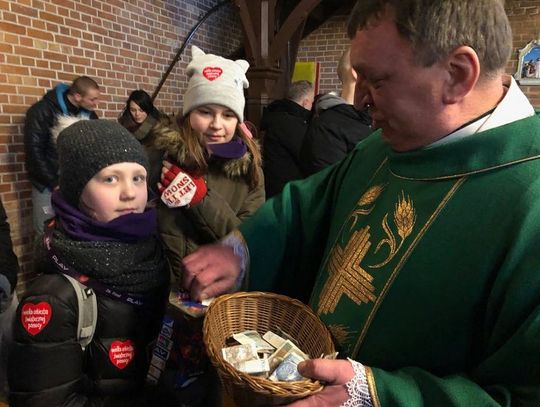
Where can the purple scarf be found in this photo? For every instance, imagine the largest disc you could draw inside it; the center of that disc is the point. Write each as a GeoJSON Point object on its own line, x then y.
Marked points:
{"type": "Point", "coordinates": [235, 148]}
{"type": "Point", "coordinates": [128, 228]}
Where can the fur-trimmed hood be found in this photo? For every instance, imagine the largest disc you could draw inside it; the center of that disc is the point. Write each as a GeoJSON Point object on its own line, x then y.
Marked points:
{"type": "Point", "coordinates": [170, 139]}
{"type": "Point", "coordinates": [63, 122]}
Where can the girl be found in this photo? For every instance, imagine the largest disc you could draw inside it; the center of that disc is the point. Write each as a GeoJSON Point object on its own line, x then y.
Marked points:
{"type": "Point", "coordinates": [102, 236]}
{"type": "Point", "coordinates": [140, 115]}
{"type": "Point", "coordinates": [213, 179]}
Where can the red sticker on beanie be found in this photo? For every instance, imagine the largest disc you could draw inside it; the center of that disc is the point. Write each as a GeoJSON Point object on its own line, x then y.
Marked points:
{"type": "Point", "coordinates": [212, 72]}
{"type": "Point", "coordinates": [121, 353]}
{"type": "Point", "coordinates": [35, 317]}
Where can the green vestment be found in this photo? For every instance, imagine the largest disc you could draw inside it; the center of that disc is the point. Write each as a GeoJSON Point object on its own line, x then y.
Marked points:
{"type": "Point", "coordinates": [424, 265]}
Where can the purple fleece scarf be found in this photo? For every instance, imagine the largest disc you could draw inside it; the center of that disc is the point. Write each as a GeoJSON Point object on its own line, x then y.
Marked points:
{"type": "Point", "coordinates": [128, 228]}
{"type": "Point", "coordinates": [235, 148]}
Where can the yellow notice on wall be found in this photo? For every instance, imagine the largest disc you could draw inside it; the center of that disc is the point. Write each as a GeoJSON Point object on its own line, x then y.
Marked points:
{"type": "Point", "coordinates": [307, 71]}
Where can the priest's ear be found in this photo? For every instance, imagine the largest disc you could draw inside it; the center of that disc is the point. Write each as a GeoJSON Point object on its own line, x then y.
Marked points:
{"type": "Point", "coordinates": [463, 71]}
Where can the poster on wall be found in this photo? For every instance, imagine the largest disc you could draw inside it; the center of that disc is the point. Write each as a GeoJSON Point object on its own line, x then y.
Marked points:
{"type": "Point", "coordinates": [308, 71]}
{"type": "Point", "coordinates": [528, 70]}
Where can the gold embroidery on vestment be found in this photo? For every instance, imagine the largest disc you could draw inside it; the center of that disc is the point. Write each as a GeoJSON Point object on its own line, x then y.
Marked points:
{"type": "Point", "coordinates": [404, 219]}
{"type": "Point", "coordinates": [341, 333]}
{"type": "Point", "coordinates": [368, 198]}
{"type": "Point", "coordinates": [345, 274]}
{"type": "Point", "coordinates": [468, 173]}
{"type": "Point", "coordinates": [402, 261]}
{"type": "Point", "coordinates": [372, 387]}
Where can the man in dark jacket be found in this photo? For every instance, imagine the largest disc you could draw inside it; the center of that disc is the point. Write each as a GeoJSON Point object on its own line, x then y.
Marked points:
{"type": "Point", "coordinates": [8, 280]}
{"type": "Point", "coordinates": [336, 126]}
{"type": "Point", "coordinates": [284, 123]}
{"type": "Point", "coordinates": [79, 99]}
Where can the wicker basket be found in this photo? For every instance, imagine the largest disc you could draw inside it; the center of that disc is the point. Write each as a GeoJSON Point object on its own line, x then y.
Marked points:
{"type": "Point", "coordinates": [242, 311]}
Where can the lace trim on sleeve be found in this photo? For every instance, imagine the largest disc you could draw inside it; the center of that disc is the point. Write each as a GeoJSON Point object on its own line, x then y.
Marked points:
{"type": "Point", "coordinates": [358, 388]}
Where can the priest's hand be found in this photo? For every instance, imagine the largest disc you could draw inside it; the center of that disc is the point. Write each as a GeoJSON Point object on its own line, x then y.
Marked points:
{"type": "Point", "coordinates": [210, 271]}
{"type": "Point", "coordinates": [335, 373]}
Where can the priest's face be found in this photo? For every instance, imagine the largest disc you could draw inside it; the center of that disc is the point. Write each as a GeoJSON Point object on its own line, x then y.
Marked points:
{"type": "Point", "coordinates": [405, 98]}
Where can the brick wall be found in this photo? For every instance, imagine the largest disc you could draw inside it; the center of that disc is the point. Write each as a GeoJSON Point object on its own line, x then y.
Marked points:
{"type": "Point", "coordinates": [326, 44]}
{"type": "Point", "coordinates": [124, 45]}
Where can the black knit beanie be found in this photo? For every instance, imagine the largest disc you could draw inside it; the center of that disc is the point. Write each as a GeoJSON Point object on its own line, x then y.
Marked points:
{"type": "Point", "coordinates": [88, 146]}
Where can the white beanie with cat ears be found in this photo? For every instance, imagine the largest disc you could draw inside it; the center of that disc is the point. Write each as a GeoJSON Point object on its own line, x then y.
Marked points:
{"type": "Point", "coordinates": [214, 80]}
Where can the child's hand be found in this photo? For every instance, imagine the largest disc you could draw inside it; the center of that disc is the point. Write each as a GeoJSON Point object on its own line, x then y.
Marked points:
{"type": "Point", "coordinates": [211, 270]}
{"type": "Point", "coordinates": [178, 188]}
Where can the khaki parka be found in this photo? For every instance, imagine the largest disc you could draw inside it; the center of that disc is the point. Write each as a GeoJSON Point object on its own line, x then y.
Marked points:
{"type": "Point", "coordinates": [230, 198]}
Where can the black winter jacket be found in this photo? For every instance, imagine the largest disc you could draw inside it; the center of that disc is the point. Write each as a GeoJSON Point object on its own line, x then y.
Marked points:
{"type": "Point", "coordinates": [41, 156]}
{"type": "Point", "coordinates": [47, 365]}
{"type": "Point", "coordinates": [333, 132]}
{"type": "Point", "coordinates": [284, 124]}
{"type": "Point", "coordinates": [8, 261]}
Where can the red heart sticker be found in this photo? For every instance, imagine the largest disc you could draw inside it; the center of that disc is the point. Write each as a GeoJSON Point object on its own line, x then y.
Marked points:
{"type": "Point", "coordinates": [212, 72]}
{"type": "Point", "coordinates": [121, 353]}
{"type": "Point", "coordinates": [35, 317]}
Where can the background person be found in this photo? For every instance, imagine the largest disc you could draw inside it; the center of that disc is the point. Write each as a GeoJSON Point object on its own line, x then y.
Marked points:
{"type": "Point", "coordinates": [140, 116]}
{"type": "Point", "coordinates": [430, 290]}
{"type": "Point", "coordinates": [81, 98]}
{"type": "Point", "coordinates": [284, 123]}
{"type": "Point", "coordinates": [336, 126]}
{"type": "Point", "coordinates": [9, 269]}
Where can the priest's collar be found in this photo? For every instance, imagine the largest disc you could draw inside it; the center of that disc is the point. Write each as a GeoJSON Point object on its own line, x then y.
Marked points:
{"type": "Point", "coordinates": [514, 106]}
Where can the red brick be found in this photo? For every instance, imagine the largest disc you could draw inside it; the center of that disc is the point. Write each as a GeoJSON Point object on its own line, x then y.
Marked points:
{"type": "Point", "coordinates": [65, 3]}
{"type": "Point", "coordinates": [11, 69]}
{"type": "Point", "coordinates": [40, 25]}
{"type": "Point", "coordinates": [9, 17]}
{"type": "Point", "coordinates": [42, 35]}
{"type": "Point", "coordinates": [12, 28]}
{"type": "Point", "coordinates": [43, 72]}
{"type": "Point", "coordinates": [53, 18]}
{"type": "Point", "coordinates": [27, 90]}
{"type": "Point", "coordinates": [9, 108]}
{"type": "Point", "coordinates": [66, 40]}
{"type": "Point", "coordinates": [30, 52]}
{"type": "Point", "coordinates": [28, 61]}
{"type": "Point", "coordinates": [44, 83]}
{"type": "Point", "coordinates": [24, 21]}
{"type": "Point", "coordinates": [6, 48]}
{"type": "Point", "coordinates": [26, 42]}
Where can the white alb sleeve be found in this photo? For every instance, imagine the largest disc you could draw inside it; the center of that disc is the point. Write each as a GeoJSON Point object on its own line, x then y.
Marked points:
{"type": "Point", "coordinates": [358, 388]}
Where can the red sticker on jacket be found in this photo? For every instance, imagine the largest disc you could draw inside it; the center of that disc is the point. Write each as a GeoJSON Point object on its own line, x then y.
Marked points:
{"type": "Point", "coordinates": [121, 353]}
{"type": "Point", "coordinates": [212, 72]}
{"type": "Point", "coordinates": [35, 317]}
